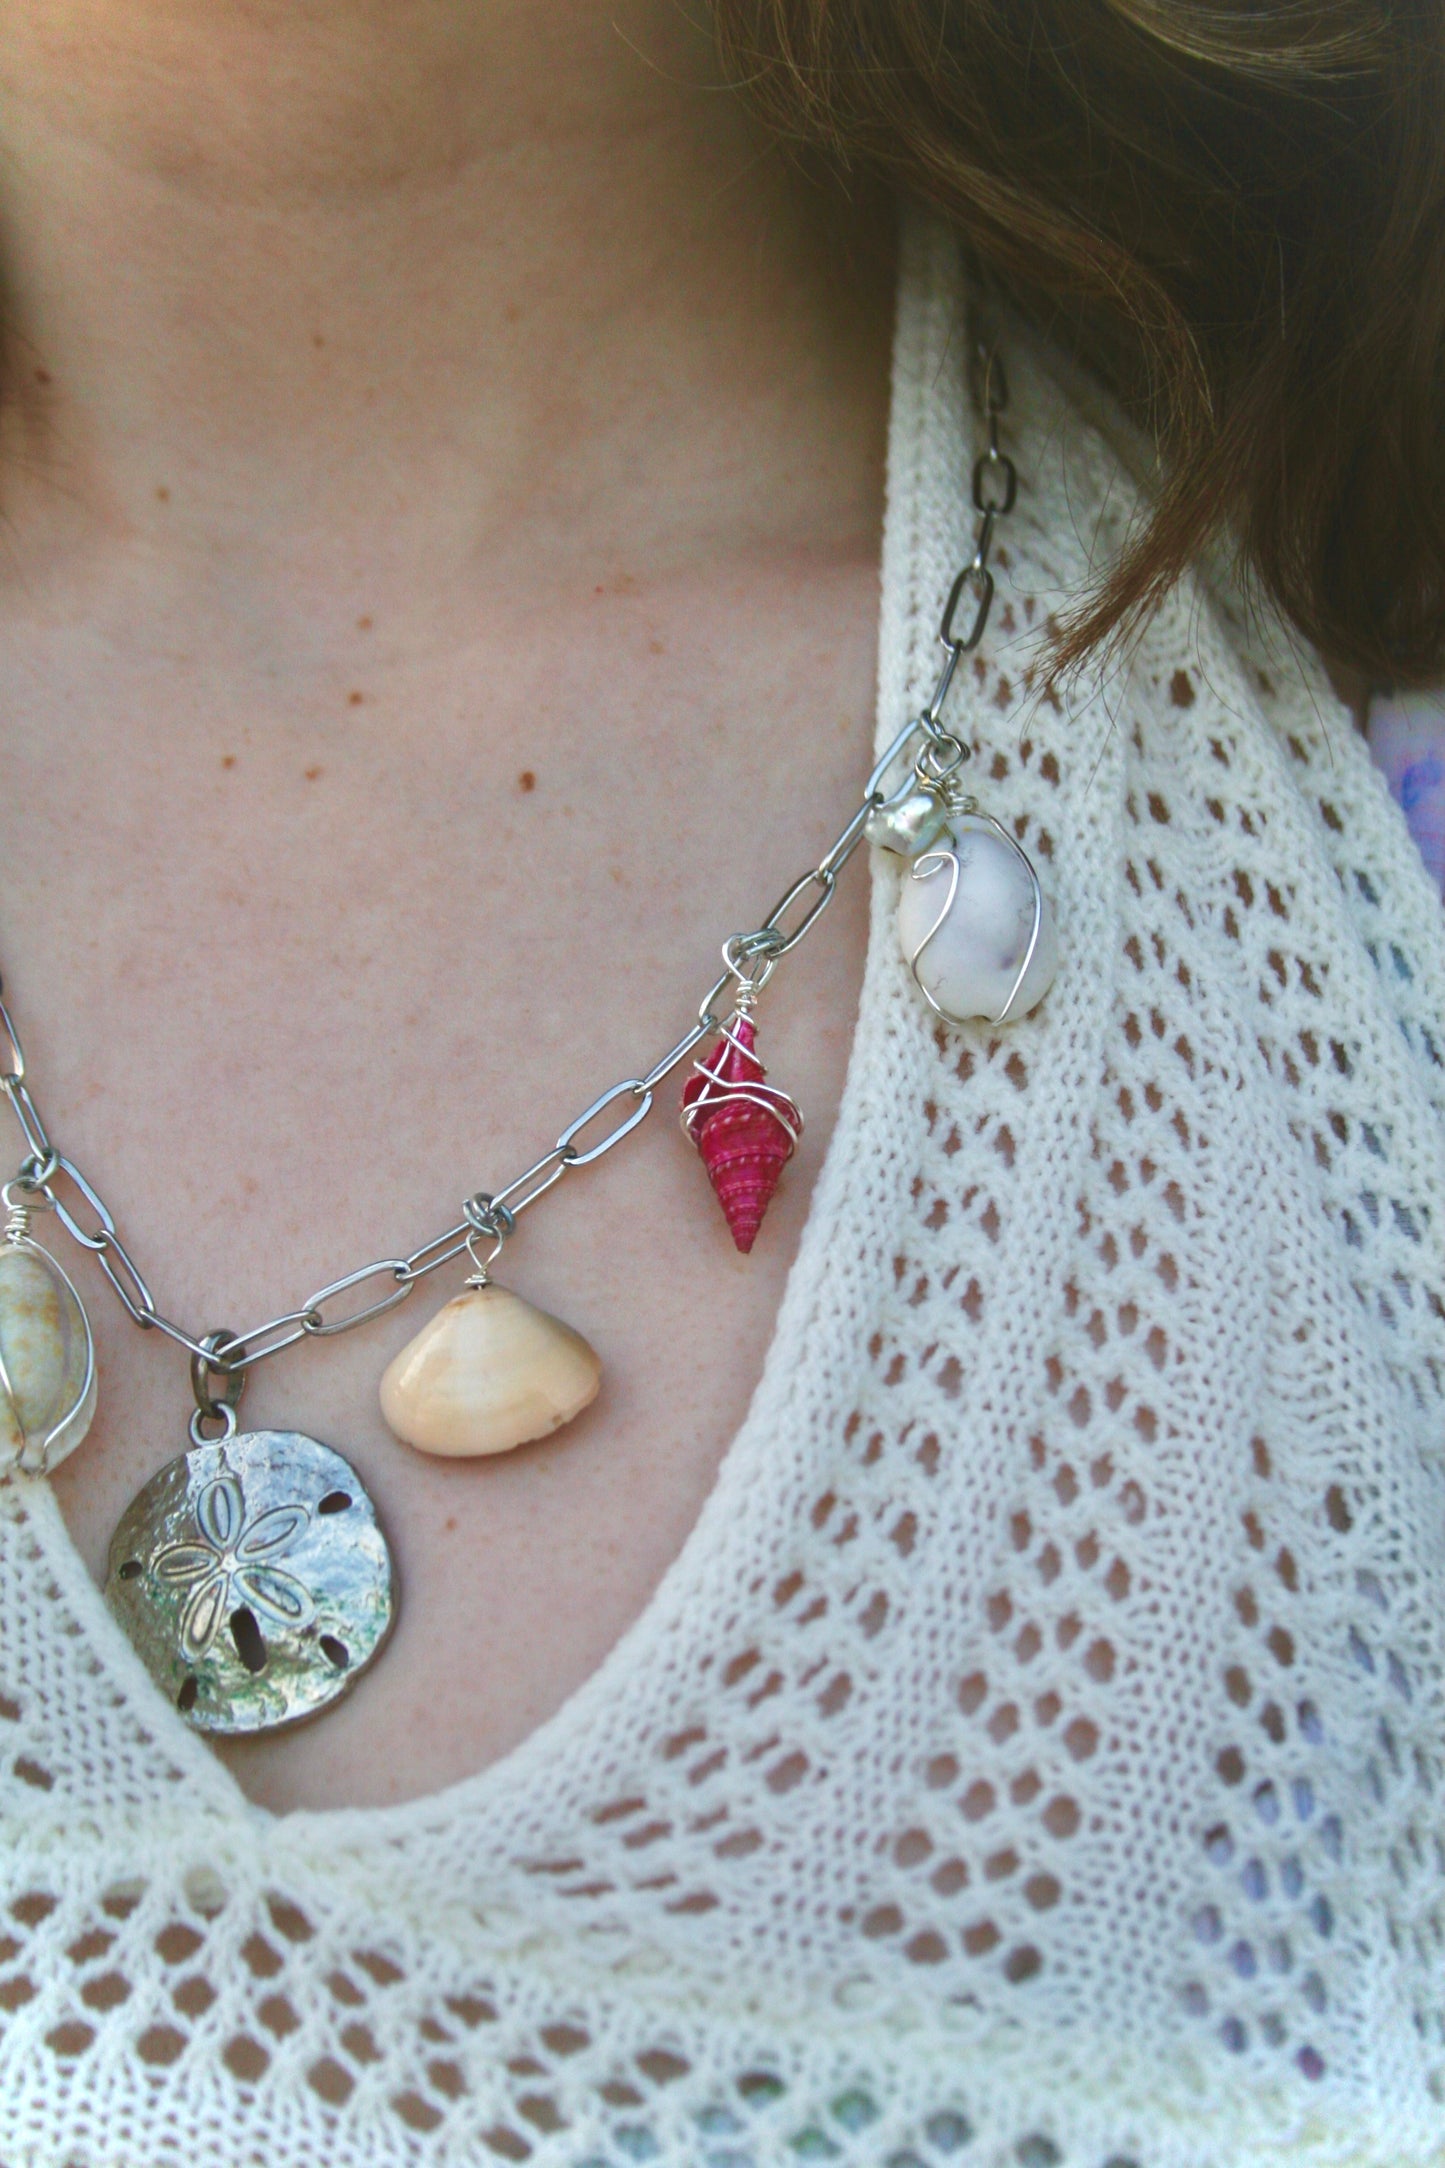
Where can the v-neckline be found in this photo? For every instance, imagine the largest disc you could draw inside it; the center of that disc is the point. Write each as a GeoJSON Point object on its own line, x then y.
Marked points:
{"type": "Point", "coordinates": [841, 1223]}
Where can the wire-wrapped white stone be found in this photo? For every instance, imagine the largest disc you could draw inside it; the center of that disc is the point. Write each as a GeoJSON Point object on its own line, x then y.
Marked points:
{"type": "Point", "coordinates": [976, 928]}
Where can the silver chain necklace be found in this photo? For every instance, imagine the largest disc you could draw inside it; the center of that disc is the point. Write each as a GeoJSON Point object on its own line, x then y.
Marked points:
{"type": "Point", "coordinates": [251, 1571]}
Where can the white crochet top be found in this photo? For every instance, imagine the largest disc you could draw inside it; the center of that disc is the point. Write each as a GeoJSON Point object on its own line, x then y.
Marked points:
{"type": "Point", "coordinates": [1036, 1755]}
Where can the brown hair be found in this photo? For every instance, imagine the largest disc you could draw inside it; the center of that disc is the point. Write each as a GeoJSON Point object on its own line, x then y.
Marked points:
{"type": "Point", "coordinates": [1236, 210]}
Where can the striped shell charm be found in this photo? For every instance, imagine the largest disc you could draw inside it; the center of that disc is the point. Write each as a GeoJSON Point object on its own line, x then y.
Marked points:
{"type": "Point", "coordinates": [47, 1358]}
{"type": "Point", "coordinates": [745, 1130]}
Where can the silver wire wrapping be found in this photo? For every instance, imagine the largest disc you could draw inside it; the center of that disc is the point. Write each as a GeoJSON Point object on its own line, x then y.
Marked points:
{"type": "Point", "coordinates": [713, 1092]}
{"type": "Point", "coordinates": [988, 951]}
{"type": "Point", "coordinates": [47, 1354]}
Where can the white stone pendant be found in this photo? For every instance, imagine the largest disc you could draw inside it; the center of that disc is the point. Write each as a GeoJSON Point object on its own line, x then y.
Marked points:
{"type": "Point", "coordinates": [487, 1373]}
{"type": "Point", "coordinates": [976, 928]}
{"type": "Point", "coordinates": [47, 1360]}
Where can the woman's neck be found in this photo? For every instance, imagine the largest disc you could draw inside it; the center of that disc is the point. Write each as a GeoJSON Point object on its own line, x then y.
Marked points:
{"type": "Point", "coordinates": [422, 285]}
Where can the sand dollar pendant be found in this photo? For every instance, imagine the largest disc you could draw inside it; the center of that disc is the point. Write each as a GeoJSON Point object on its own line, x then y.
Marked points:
{"type": "Point", "coordinates": [252, 1577]}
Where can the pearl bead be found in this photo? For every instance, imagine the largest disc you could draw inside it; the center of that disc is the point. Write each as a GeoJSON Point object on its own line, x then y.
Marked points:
{"type": "Point", "coordinates": [907, 823]}
{"type": "Point", "coordinates": [966, 949]}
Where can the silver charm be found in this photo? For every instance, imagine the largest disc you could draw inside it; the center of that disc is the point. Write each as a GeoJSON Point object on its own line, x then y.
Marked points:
{"type": "Point", "coordinates": [47, 1355]}
{"type": "Point", "coordinates": [253, 1579]}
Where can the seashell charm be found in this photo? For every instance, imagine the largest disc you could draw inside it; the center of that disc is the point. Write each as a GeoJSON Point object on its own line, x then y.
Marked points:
{"type": "Point", "coordinates": [47, 1359]}
{"type": "Point", "coordinates": [487, 1373]}
{"type": "Point", "coordinates": [745, 1130]}
{"type": "Point", "coordinates": [976, 928]}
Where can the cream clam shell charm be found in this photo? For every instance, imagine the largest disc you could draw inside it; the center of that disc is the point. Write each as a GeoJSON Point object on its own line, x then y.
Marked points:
{"type": "Point", "coordinates": [975, 926]}
{"type": "Point", "coordinates": [47, 1359]}
{"type": "Point", "coordinates": [487, 1373]}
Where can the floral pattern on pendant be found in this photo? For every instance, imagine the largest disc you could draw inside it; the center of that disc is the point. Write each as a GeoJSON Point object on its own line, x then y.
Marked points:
{"type": "Point", "coordinates": [234, 1561]}
{"type": "Point", "coordinates": [253, 1579]}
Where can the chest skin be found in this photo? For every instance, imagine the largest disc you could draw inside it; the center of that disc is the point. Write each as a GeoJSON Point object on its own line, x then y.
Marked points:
{"type": "Point", "coordinates": [303, 956]}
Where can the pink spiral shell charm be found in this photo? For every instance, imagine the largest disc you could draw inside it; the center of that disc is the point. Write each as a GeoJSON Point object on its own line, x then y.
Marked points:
{"type": "Point", "coordinates": [745, 1130]}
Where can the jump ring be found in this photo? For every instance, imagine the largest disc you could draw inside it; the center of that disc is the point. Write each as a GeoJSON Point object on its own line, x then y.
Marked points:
{"type": "Point", "coordinates": [225, 1415]}
{"type": "Point", "coordinates": [37, 1171]}
{"type": "Point", "coordinates": [485, 1217]}
{"type": "Point", "coordinates": [213, 1364]}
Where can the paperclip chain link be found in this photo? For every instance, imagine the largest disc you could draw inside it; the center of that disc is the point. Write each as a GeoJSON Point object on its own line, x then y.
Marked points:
{"type": "Point", "coordinates": [47, 1174]}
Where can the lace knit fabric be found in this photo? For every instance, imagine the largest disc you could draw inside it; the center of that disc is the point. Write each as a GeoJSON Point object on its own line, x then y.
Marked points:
{"type": "Point", "coordinates": [1035, 1755]}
